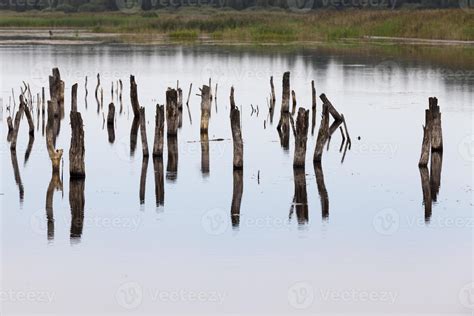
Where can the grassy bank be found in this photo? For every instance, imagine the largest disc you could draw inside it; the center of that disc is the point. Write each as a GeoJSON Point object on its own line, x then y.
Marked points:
{"type": "Point", "coordinates": [255, 25]}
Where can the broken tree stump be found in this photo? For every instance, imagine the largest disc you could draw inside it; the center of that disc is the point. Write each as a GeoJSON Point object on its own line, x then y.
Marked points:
{"type": "Point", "coordinates": [143, 132]}
{"type": "Point", "coordinates": [159, 131]}
{"type": "Point", "coordinates": [301, 137]}
{"type": "Point", "coordinates": [332, 110]}
{"type": "Point", "coordinates": [29, 118]}
{"type": "Point", "coordinates": [426, 144]}
{"type": "Point", "coordinates": [134, 97]}
{"type": "Point", "coordinates": [436, 131]}
{"type": "Point", "coordinates": [205, 107]}
{"type": "Point", "coordinates": [238, 160]}
{"type": "Point", "coordinates": [323, 134]}
{"type": "Point", "coordinates": [74, 98]}
{"type": "Point", "coordinates": [77, 150]}
{"type": "Point", "coordinates": [16, 126]}
{"type": "Point", "coordinates": [172, 112]}
{"type": "Point", "coordinates": [293, 98]}
{"type": "Point", "coordinates": [285, 99]}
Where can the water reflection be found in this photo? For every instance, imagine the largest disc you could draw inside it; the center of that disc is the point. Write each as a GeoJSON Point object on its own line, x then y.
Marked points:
{"type": "Point", "coordinates": [143, 179]}
{"type": "Point", "coordinates": [55, 184]}
{"type": "Point", "coordinates": [237, 197]}
{"type": "Point", "coordinates": [323, 193]}
{"type": "Point", "coordinates": [425, 186]}
{"type": "Point", "coordinates": [16, 173]}
{"type": "Point", "coordinates": [159, 181]}
{"type": "Point", "coordinates": [284, 130]}
{"type": "Point", "coordinates": [29, 147]}
{"type": "Point", "coordinates": [77, 202]}
{"type": "Point", "coordinates": [205, 154]}
{"type": "Point", "coordinates": [172, 165]}
{"type": "Point", "coordinates": [435, 174]}
{"type": "Point", "coordinates": [300, 199]}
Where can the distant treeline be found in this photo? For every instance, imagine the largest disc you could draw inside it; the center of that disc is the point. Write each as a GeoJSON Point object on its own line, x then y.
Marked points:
{"type": "Point", "coordinates": [294, 5]}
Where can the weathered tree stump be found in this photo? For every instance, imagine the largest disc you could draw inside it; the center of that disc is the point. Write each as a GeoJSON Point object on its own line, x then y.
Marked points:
{"type": "Point", "coordinates": [159, 131]}
{"type": "Point", "coordinates": [285, 100]}
{"type": "Point", "coordinates": [436, 131]}
{"type": "Point", "coordinates": [29, 118]}
{"type": "Point", "coordinates": [238, 161]}
{"type": "Point", "coordinates": [74, 98]}
{"type": "Point", "coordinates": [159, 180]}
{"type": "Point", "coordinates": [284, 123]}
{"type": "Point", "coordinates": [205, 107]}
{"type": "Point", "coordinates": [10, 128]}
{"type": "Point", "coordinates": [272, 99]}
{"type": "Point", "coordinates": [16, 126]}
{"type": "Point", "coordinates": [322, 134]}
{"type": "Point", "coordinates": [56, 91]}
{"type": "Point", "coordinates": [301, 137]}
{"type": "Point", "coordinates": [293, 98]}
{"type": "Point", "coordinates": [426, 145]}
{"type": "Point", "coordinates": [97, 87]}
{"type": "Point", "coordinates": [134, 97]}
{"type": "Point", "coordinates": [172, 112]}
{"type": "Point", "coordinates": [143, 132]}
{"type": "Point", "coordinates": [332, 110]}
{"type": "Point", "coordinates": [134, 135]}
{"type": "Point", "coordinates": [180, 107]}
{"type": "Point", "coordinates": [238, 188]}
{"type": "Point", "coordinates": [77, 167]}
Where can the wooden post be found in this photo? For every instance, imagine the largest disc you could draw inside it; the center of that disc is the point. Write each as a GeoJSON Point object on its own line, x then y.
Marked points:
{"type": "Point", "coordinates": [236, 133]}
{"type": "Point", "coordinates": [322, 134]}
{"type": "Point", "coordinates": [97, 87]}
{"type": "Point", "coordinates": [205, 107]}
{"type": "Point", "coordinates": [272, 99]}
{"type": "Point", "coordinates": [74, 98]}
{"type": "Point", "coordinates": [426, 145]}
{"type": "Point", "coordinates": [134, 97]}
{"type": "Point", "coordinates": [120, 95]}
{"type": "Point", "coordinates": [54, 154]}
{"type": "Point", "coordinates": [301, 137]}
{"type": "Point", "coordinates": [172, 115]}
{"type": "Point", "coordinates": [77, 150]}
{"type": "Point", "coordinates": [143, 132]}
{"type": "Point", "coordinates": [301, 196]}
{"type": "Point", "coordinates": [313, 107]}
{"type": "Point", "coordinates": [436, 131]}
{"type": "Point", "coordinates": [159, 131]}
{"type": "Point", "coordinates": [293, 97]}
{"type": "Point", "coordinates": [10, 128]}
{"type": "Point", "coordinates": [180, 107]}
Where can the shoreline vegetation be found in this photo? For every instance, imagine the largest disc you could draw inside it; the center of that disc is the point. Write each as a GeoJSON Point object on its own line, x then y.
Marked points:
{"type": "Point", "coordinates": [250, 26]}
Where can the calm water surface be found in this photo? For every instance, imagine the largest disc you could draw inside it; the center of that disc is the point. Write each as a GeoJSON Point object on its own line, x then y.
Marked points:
{"type": "Point", "coordinates": [372, 250]}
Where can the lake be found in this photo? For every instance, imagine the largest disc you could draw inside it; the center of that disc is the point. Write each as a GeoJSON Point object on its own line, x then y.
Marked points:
{"type": "Point", "coordinates": [363, 243]}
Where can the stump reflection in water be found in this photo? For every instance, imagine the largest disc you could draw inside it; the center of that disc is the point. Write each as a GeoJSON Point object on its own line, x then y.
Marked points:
{"type": "Point", "coordinates": [425, 186]}
{"type": "Point", "coordinates": [284, 130]}
{"type": "Point", "coordinates": [205, 153]}
{"type": "Point", "coordinates": [76, 202]}
{"type": "Point", "coordinates": [172, 164]}
{"type": "Point", "coordinates": [159, 181]}
{"type": "Point", "coordinates": [134, 136]}
{"type": "Point", "coordinates": [237, 197]}
{"type": "Point", "coordinates": [300, 199]}
{"type": "Point", "coordinates": [323, 193]}
{"type": "Point", "coordinates": [55, 184]}
{"type": "Point", "coordinates": [16, 173]}
{"type": "Point", "coordinates": [143, 179]}
{"type": "Point", "coordinates": [435, 174]}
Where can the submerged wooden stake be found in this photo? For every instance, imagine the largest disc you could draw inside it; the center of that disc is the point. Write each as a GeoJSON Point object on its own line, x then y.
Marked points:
{"type": "Point", "coordinates": [74, 98]}
{"type": "Point", "coordinates": [236, 133]}
{"type": "Point", "coordinates": [285, 100]}
{"type": "Point", "coordinates": [436, 131]}
{"type": "Point", "coordinates": [159, 131]}
{"type": "Point", "coordinates": [301, 137]}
